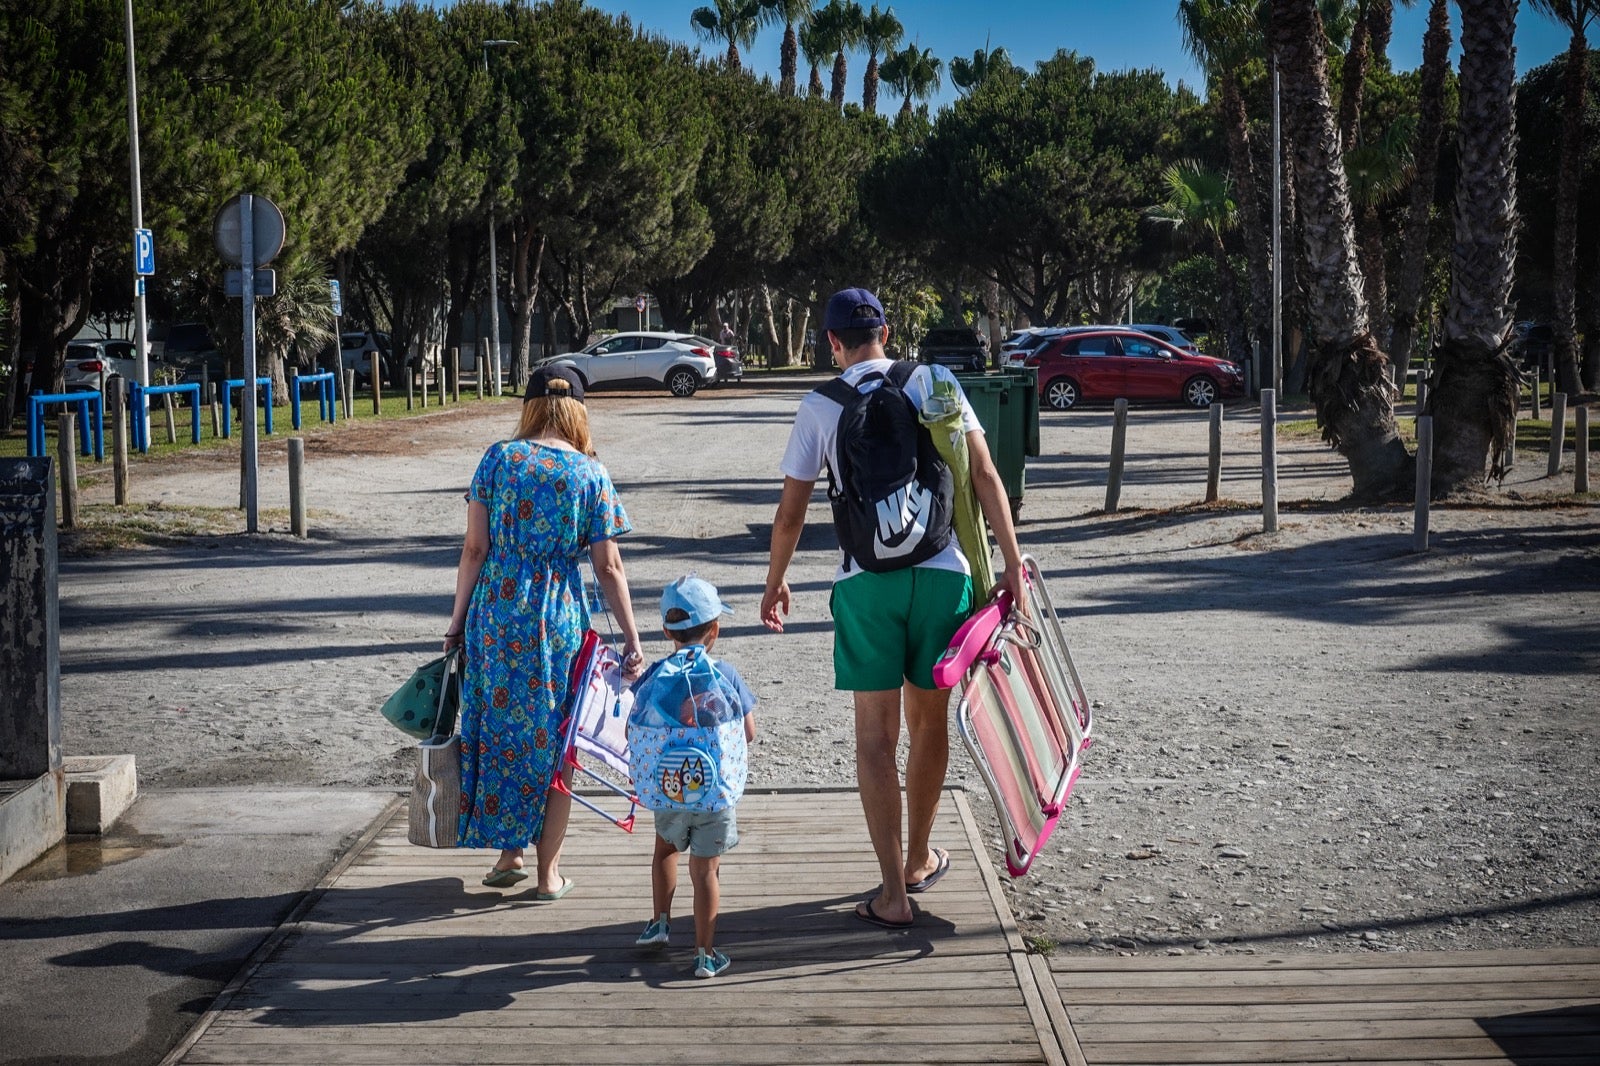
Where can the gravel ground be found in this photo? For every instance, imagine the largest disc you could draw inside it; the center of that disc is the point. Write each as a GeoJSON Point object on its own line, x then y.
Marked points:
{"type": "Point", "coordinates": [1308, 741]}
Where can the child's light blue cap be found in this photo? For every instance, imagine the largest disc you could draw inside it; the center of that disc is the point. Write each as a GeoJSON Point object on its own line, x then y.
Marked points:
{"type": "Point", "coordinates": [695, 597]}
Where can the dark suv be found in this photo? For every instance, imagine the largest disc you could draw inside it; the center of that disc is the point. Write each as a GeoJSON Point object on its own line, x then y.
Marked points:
{"type": "Point", "coordinates": [961, 347]}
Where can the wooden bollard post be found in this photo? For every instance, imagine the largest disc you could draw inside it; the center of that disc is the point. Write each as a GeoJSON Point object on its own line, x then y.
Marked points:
{"type": "Point", "coordinates": [172, 422]}
{"type": "Point", "coordinates": [116, 397]}
{"type": "Point", "coordinates": [1558, 432]}
{"type": "Point", "coordinates": [1214, 464]}
{"type": "Point", "coordinates": [481, 362]}
{"type": "Point", "coordinates": [67, 449]}
{"type": "Point", "coordinates": [350, 393]}
{"type": "Point", "coordinates": [1119, 442]}
{"type": "Point", "coordinates": [1419, 527]}
{"type": "Point", "coordinates": [1580, 469]}
{"type": "Point", "coordinates": [216, 411]}
{"type": "Point", "coordinates": [377, 385]}
{"type": "Point", "coordinates": [297, 486]}
{"type": "Point", "coordinates": [411, 389]}
{"type": "Point", "coordinates": [1422, 398]}
{"type": "Point", "coordinates": [455, 375]}
{"type": "Point", "coordinates": [422, 372]}
{"type": "Point", "coordinates": [1269, 460]}
{"type": "Point", "coordinates": [1536, 372]}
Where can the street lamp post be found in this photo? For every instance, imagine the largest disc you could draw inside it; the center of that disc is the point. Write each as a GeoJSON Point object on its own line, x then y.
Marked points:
{"type": "Point", "coordinates": [141, 345]}
{"type": "Point", "coordinates": [494, 260]}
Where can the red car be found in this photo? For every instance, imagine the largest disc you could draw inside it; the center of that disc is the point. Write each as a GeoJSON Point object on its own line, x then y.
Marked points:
{"type": "Point", "coordinates": [1110, 364]}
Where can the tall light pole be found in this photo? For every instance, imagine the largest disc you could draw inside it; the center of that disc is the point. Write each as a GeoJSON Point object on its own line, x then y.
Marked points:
{"type": "Point", "coordinates": [494, 261]}
{"type": "Point", "coordinates": [141, 346]}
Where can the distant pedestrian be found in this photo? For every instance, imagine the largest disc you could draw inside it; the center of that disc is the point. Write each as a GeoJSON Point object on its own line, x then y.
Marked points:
{"type": "Point", "coordinates": [727, 336]}
{"type": "Point", "coordinates": [902, 588]}
{"type": "Point", "coordinates": [693, 719]}
{"type": "Point", "coordinates": [538, 503]}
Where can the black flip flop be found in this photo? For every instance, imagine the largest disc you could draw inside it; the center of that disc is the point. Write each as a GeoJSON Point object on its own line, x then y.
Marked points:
{"type": "Point", "coordinates": [865, 912]}
{"type": "Point", "coordinates": [933, 878]}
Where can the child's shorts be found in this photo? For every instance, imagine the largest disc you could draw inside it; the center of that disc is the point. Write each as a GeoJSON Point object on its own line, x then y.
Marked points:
{"type": "Point", "coordinates": [705, 834]}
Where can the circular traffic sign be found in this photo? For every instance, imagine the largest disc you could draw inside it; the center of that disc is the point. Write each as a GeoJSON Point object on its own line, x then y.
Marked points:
{"type": "Point", "coordinates": [640, 303]}
{"type": "Point", "coordinates": [267, 228]}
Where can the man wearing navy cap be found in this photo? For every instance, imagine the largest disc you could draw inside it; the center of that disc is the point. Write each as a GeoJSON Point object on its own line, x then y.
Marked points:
{"type": "Point", "coordinates": [890, 626]}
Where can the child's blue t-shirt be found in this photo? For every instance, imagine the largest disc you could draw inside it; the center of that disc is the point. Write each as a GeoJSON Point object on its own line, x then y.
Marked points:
{"type": "Point", "coordinates": [690, 688]}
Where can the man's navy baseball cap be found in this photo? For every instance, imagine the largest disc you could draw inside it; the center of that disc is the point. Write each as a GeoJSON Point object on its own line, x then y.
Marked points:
{"type": "Point", "coordinates": [852, 309]}
{"type": "Point", "coordinates": [695, 597]}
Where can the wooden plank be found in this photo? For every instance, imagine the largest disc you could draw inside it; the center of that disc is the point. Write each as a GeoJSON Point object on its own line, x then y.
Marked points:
{"type": "Point", "coordinates": [521, 1051]}
{"type": "Point", "coordinates": [1132, 1029]}
{"type": "Point", "coordinates": [686, 1030]}
{"type": "Point", "coordinates": [1365, 961]}
{"type": "Point", "coordinates": [1086, 1014]}
{"type": "Point", "coordinates": [728, 1012]}
{"type": "Point", "coordinates": [1350, 978]}
{"type": "Point", "coordinates": [1229, 1053]}
{"type": "Point", "coordinates": [1201, 993]}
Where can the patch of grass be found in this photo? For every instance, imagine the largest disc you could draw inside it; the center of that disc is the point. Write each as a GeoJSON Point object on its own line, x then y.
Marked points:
{"type": "Point", "coordinates": [105, 527]}
{"type": "Point", "coordinates": [1039, 944]}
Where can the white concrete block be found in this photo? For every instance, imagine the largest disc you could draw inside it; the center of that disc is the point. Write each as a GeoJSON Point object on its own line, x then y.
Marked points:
{"type": "Point", "coordinates": [99, 789]}
{"type": "Point", "coordinates": [33, 819]}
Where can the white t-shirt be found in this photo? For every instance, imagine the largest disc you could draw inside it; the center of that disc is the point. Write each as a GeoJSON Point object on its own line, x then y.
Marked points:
{"type": "Point", "coordinates": [813, 443]}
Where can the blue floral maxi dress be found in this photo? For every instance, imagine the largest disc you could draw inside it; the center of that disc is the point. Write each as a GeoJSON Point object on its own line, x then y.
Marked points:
{"type": "Point", "coordinates": [524, 626]}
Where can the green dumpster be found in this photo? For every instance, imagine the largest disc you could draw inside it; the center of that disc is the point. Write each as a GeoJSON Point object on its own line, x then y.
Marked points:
{"type": "Point", "coordinates": [1007, 405]}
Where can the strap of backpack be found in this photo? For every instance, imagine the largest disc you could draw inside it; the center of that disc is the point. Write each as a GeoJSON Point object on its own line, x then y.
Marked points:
{"type": "Point", "coordinates": [901, 372]}
{"type": "Point", "coordinates": [837, 390]}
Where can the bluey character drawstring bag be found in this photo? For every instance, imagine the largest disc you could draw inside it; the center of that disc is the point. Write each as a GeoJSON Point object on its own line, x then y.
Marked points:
{"type": "Point", "coordinates": [686, 736]}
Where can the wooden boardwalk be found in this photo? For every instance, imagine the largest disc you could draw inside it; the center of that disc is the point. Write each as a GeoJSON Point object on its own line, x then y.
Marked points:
{"type": "Point", "coordinates": [400, 956]}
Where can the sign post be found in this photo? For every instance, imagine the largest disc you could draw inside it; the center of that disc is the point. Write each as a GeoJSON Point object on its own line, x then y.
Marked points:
{"type": "Point", "coordinates": [249, 232]}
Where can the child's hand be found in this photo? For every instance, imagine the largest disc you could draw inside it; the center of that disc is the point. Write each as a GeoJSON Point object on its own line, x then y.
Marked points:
{"type": "Point", "coordinates": [632, 662]}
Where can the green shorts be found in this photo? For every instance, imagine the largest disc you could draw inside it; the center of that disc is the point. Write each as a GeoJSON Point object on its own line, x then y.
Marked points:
{"type": "Point", "coordinates": [891, 628]}
{"type": "Point", "coordinates": [703, 834]}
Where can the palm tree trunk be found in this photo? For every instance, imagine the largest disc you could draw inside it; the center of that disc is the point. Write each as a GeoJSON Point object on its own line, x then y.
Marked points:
{"type": "Point", "coordinates": [1349, 380]}
{"type": "Point", "coordinates": [1374, 271]}
{"type": "Point", "coordinates": [788, 60]}
{"type": "Point", "coordinates": [869, 86]}
{"type": "Point", "coordinates": [733, 55]}
{"type": "Point", "coordinates": [1356, 61]}
{"type": "Point", "coordinates": [816, 88]}
{"type": "Point", "coordinates": [1380, 20]}
{"type": "Point", "coordinates": [1564, 275]}
{"type": "Point", "coordinates": [1252, 217]}
{"type": "Point", "coordinates": [1430, 124]}
{"type": "Point", "coordinates": [840, 74]}
{"type": "Point", "coordinates": [1474, 393]}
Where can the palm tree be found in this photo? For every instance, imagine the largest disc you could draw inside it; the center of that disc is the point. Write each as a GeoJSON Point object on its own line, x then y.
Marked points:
{"type": "Point", "coordinates": [1378, 170]}
{"type": "Point", "coordinates": [839, 24]}
{"type": "Point", "coordinates": [1348, 373]}
{"type": "Point", "coordinates": [880, 32]}
{"type": "Point", "coordinates": [1474, 395]}
{"type": "Point", "coordinates": [1413, 264]}
{"type": "Point", "coordinates": [1225, 37]}
{"type": "Point", "coordinates": [815, 46]}
{"type": "Point", "coordinates": [914, 73]}
{"type": "Point", "coordinates": [967, 74]}
{"type": "Point", "coordinates": [734, 21]}
{"type": "Point", "coordinates": [1574, 16]}
{"type": "Point", "coordinates": [795, 16]}
{"type": "Point", "coordinates": [1200, 210]}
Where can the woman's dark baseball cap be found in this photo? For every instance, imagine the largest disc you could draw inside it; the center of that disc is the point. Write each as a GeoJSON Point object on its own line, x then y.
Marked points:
{"type": "Point", "coordinates": [540, 380]}
{"type": "Point", "coordinates": [852, 309]}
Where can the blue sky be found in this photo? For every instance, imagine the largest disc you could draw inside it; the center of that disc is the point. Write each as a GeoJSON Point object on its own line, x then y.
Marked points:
{"type": "Point", "coordinates": [1118, 34]}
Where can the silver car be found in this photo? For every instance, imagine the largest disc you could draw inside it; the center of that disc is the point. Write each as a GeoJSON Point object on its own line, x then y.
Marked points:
{"type": "Point", "coordinates": [1171, 334]}
{"type": "Point", "coordinates": [86, 358]}
{"type": "Point", "coordinates": [680, 361]}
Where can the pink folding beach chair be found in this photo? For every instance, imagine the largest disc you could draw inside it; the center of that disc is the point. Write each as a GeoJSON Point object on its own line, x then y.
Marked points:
{"type": "Point", "coordinates": [597, 728]}
{"type": "Point", "coordinates": [1022, 714]}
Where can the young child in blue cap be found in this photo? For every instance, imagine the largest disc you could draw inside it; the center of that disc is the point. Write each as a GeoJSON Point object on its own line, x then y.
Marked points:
{"type": "Point", "coordinates": [688, 737]}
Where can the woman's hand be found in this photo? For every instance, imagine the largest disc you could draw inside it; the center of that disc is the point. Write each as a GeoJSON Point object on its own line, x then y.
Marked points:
{"type": "Point", "coordinates": [632, 662]}
{"type": "Point", "coordinates": [452, 640]}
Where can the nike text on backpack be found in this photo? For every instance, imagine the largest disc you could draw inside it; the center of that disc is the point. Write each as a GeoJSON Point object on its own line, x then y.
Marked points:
{"type": "Point", "coordinates": [892, 493]}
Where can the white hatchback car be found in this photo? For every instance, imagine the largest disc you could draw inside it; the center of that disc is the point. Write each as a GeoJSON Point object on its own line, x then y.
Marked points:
{"type": "Point", "coordinates": [86, 358]}
{"type": "Point", "coordinates": [1171, 334]}
{"type": "Point", "coordinates": [680, 361]}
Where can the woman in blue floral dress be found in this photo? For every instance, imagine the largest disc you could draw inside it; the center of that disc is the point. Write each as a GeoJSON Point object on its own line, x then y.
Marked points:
{"type": "Point", "coordinates": [538, 502]}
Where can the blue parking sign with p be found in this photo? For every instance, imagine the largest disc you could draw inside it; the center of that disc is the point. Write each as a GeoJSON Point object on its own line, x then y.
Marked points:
{"type": "Point", "coordinates": [144, 252]}
{"type": "Point", "coordinates": [338, 297]}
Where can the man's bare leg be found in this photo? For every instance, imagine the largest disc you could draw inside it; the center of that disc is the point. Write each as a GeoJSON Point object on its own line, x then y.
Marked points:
{"type": "Point", "coordinates": [878, 778]}
{"type": "Point", "coordinates": [928, 723]}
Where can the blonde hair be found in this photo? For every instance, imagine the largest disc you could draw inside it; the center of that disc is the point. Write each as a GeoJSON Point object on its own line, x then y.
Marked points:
{"type": "Point", "coordinates": [562, 415]}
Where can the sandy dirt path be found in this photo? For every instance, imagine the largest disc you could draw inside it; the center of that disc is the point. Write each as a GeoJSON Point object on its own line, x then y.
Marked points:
{"type": "Point", "coordinates": [1313, 741]}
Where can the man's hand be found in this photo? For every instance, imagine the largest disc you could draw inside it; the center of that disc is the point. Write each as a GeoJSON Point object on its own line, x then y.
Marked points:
{"type": "Point", "coordinates": [1011, 580]}
{"type": "Point", "coordinates": [775, 603]}
{"type": "Point", "coordinates": [632, 662]}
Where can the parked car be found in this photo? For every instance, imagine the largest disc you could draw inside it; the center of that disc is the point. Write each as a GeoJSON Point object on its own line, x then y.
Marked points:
{"type": "Point", "coordinates": [1171, 334]}
{"type": "Point", "coordinates": [1532, 344]}
{"type": "Point", "coordinates": [356, 350]}
{"type": "Point", "coordinates": [187, 347]}
{"type": "Point", "coordinates": [683, 362]}
{"type": "Point", "coordinates": [1024, 342]}
{"type": "Point", "coordinates": [1113, 363]}
{"type": "Point", "coordinates": [86, 358]}
{"type": "Point", "coordinates": [960, 347]}
{"type": "Point", "coordinates": [730, 364]}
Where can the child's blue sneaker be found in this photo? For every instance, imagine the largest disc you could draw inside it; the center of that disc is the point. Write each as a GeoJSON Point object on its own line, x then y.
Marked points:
{"type": "Point", "coordinates": [710, 965]}
{"type": "Point", "coordinates": [654, 933]}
